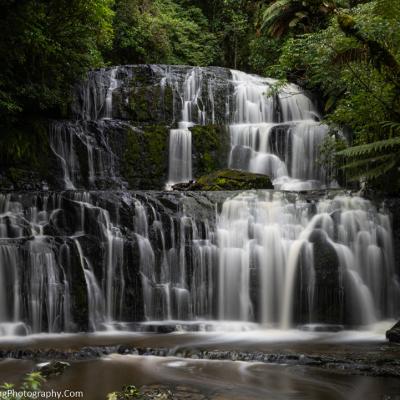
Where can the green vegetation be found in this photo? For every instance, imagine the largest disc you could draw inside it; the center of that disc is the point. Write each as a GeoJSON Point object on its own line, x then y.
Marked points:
{"type": "Point", "coordinates": [347, 52]}
{"type": "Point", "coordinates": [131, 392]}
{"type": "Point", "coordinates": [350, 58]}
{"type": "Point", "coordinates": [228, 179]}
{"type": "Point", "coordinates": [161, 31]}
{"type": "Point", "coordinates": [32, 383]}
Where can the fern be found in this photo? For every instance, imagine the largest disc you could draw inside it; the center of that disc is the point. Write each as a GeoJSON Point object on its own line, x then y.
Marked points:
{"type": "Point", "coordinates": [371, 148]}
{"type": "Point", "coordinates": [365, 162]}
{"type": "Point", "coordinates": [372, 160]}
{"type": "Point", "coordinates": [372, 173]}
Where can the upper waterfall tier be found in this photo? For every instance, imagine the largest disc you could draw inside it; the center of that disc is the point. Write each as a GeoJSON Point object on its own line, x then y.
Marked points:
{"type": "Point", "coordinates": [144, 126]}
{"type": "Point", "coordinates": [154, 94]}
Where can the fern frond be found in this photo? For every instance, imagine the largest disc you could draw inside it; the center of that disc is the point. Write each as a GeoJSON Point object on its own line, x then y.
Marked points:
{"type": "Point", "coordinates": [276, 16]}
{"type": "Point", "coordinates": [371, 148]}
{"type": "Point", "coordinates": [373, 173]}
{"type": "Point", "coordinates": [365, 162]}
{"type": "Point", "coordinates": [393, 126]}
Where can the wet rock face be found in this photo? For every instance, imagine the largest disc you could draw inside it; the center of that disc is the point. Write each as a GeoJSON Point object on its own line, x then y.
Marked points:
{"type": "Point", "coordinates": [151, 94]}
{"type": "Point", "coordinates": [328, 296]}
{"type": "Point", "coordinates": [393, 206]}
{"type": "Point", "coordinates": [118, 134]}
{"type": "Point", "coordinates": [76, 260]}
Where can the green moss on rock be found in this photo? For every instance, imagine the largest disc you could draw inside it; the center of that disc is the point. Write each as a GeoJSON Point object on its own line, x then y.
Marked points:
{"type": "Point", "coordinates": [150, 103]}
{"type": "Point", "coordinates": [145, 159]}
{"type": "Point", "coordinates": [210, 148]}
{"type": "Point", "coordinates": [228, 179]}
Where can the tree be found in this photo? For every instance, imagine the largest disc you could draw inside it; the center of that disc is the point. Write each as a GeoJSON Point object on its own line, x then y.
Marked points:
{"type": "Point", "coordinates": [45, 47]}
{"type": "Point", "coordinates": [161, 31]}
{"type": "Point", "coordinates": [298, 15]}
{"type": "Point", "coordinates": [353, 66]}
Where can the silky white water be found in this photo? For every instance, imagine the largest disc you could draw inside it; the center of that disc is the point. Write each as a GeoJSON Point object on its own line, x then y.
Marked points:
{"type": "Point", "coordinates": [279, 135]}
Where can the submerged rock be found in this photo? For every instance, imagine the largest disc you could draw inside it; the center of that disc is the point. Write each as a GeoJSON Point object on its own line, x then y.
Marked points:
{"type": "Point", "coordinates": [393, 334]}
{"type": "Point", "coordinates": [227, 179]}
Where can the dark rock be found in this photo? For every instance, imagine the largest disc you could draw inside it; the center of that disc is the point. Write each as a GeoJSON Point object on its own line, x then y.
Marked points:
{"type": "Point", "coordinates": [393, 334]}
{"type": "Point", "coordinates": [52, 368]}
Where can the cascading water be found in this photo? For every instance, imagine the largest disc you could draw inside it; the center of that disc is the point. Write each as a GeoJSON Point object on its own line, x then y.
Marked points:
{"type": "Point", "coordinates": [276, 135]}
{"type": "Point", "coordinates": [87, 261]}
{"type": "Point", "coordinates": [78, 260]}
{"type": "Point", "coordinates": [176, 276]}
{"type": "Point", "coordinates": [268, 245]}
{"type": "Point", "coordinates": [180, 140]}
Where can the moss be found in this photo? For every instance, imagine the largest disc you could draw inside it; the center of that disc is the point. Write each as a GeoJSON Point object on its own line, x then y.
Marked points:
{"type": "Point", "coordinates": [210, 148]}
{"type": "Point", "coordinates": [228, 179]}
{"type": "Point", "coordinates": [156, 140]}
{"type": "Point", "coordinates": [131, 156]}
{"type": "Point", "coordinates": [145, 159]}
{"type": "Point", "coordinates": [346, 22]}
{"type": "Point", "coordinates": [149, 102]}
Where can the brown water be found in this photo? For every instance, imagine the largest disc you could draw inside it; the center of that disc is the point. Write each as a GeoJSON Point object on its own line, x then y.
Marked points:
{"type": "Point", "coordinates": [214, 379]}
{"type": "Point", "coordinates": [217, 379]}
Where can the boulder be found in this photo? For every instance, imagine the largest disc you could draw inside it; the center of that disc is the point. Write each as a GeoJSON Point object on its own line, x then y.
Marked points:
{"type": "Point", "coordinates": [393, 334]}
{"type": "Point", "coordinates": [52, 368]}
{"type": "Point", "coordinates": [227, 179]}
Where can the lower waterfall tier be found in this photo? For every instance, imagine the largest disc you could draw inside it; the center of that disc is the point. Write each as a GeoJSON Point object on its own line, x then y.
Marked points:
{"type": "Point", "coordinates": [86, 261]}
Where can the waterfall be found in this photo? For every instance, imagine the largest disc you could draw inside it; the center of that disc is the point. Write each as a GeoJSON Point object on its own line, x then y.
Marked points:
{"type": "Point", "coordinates": [112, 86]}
{"type": "Point", "coordinates": [267, 244]}
{"type": "Point", "coordinates": [180, 140]}
{"type": "Point", "coordinates": [276, 135]}
{"type": "Point", "coordinates": [93, 261]}
{"type": "Point", "coordinates": [97, 256]}
{"type": "Point", "coordinates": [180, 156]}
{"type": "Point", "coordinates": [33, 282]}
{"type": "Point", "coordinates": [84, 154]}
{"type": "Point", "coordinates": [177, 274]}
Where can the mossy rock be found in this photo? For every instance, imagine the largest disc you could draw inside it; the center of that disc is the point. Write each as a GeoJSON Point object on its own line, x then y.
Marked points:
{"type": "Point", "coordinates": [150, 103]}
{"type": "Point", "coordinates": [210, 148]}
{"type": "Point", "coordinates": [228, 179]}
{"type": "Point", "coordinates": [145, 159]}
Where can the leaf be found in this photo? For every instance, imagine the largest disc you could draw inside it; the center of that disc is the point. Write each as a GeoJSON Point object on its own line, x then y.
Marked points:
{"type": "Point", "coordinates": [371, 148]}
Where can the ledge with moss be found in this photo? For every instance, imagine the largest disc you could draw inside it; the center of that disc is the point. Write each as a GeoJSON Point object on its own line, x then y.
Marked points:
{"type": "Point", "coordinates": [227, 179]}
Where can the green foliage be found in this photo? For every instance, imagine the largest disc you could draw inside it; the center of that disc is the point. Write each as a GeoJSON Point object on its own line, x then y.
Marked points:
{"type": "Point", "coordinates": [128, 392]}
{"type": "Point", "coordinates": [44, 47]}
{"type": "Point", "coordinates": [31, 383]}
{"type": "Point", "coordinates": [283, 16]}
{"type": "Point", "coordinates": [328, 155]}
{"type": "Point", "coordinates": [161, 31]}
{"type": "Point", "coordinates": [372, 160]}
{"type": "Point", "coordinates": [131, 392]}
{"type": "Point", "coordinates": [353, 64]}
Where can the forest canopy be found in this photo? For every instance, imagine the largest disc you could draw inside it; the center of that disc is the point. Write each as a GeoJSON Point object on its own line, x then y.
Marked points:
{"type": "Point", "coordinates": [344, 52]}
